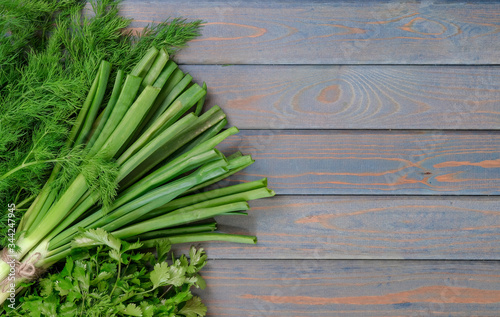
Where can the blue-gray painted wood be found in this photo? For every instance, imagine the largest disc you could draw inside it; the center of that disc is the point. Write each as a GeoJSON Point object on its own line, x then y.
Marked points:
{"type": "Point", "coordinates": [364, 162]}
{"type": "Point", "coordinates": [302, 237]}
{"type": "Point", "coordinates": [354, 97]}
{"type": "Point", "coordinates": [332, 32]}
{"type": "Point", "coordinates": [325, 288]}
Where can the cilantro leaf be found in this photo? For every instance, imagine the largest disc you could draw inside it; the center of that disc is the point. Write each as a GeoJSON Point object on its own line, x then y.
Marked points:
{"type": "Point", "coordinates": [193, 308]}
{"type": "Point", "coordinates": [68, 309]}
{"type": "Point", "coordinates": [109, 267]}
{"type": "Point", "coordinates": [198, 258]}
{"type": "Point", "coordinates": [63, 285]}
{"type": "Point", "coordinates": [162, 248]}
{"type": "Point", "coordinates": [68, 268]}
{"type": "Point", "coordinates": [130, 246]}
{"type": "Point", "coordinates": [160, 274]}
{"type": "Point", "coordinates": [46, 286]}
{"type": "Point", "coordinates": [132, 310]}
{"type": "Point", "coordinates": [115, 255]}
{"type": "Point", "coordinates": [101, 277]}
{"type": "Point", "coordinates": [92, 237]}
{"type": "Point", "coordinates": [147, 309]}
{"type": "Point", "coordinates": [164, 274]}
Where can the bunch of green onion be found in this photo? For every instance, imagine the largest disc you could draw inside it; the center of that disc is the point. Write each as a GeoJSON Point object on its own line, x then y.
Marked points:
{"type": "Point", "coordinates": [164, 150]}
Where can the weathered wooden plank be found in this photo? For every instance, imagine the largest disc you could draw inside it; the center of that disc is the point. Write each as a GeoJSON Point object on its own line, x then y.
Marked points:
{"type": "Point", "coordinates": [364, 227]}
{"type": "Point", "coordinates": [371, 162]}
{"type": "Point", "coordinates": [351, 288]}
{"type": "Point", "coordinates": [333, 32]}
{"type": "Point", "coordinates": [354, 97]}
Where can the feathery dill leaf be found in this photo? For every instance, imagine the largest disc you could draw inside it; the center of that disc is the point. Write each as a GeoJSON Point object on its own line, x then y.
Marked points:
{"type": "Point", "coordinates": [172, 35]}
{"type": "Point", "coordinates": [49, 55]}
{"type": "Point", "coordinates": [27, 25]}
{"type": "Point", "coordinates": [99, 172]}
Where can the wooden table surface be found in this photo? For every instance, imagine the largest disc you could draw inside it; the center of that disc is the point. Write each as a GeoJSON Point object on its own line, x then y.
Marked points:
{"type": "Point", "coordinates": [377, 124]}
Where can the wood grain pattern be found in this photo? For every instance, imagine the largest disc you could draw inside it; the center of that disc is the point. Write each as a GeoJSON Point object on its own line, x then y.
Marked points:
{"type": "Point", "coordinates": [354, 97]}
{"type": "Point", "coordinates": [371, 162]}
{"type": "Point", "coordinates": [340, 32]}
{"type": "Point", "coordinates": [351, 288]}
{"type": "Point", "coordinates": [365, 227]}
{"type": "Point", "coordinates": [344, 237]}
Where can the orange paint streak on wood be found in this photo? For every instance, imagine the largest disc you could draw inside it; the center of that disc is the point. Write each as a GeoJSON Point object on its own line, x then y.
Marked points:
{"type": "Point", "coordinates": [426, 294]}
{"type": "Point", "coordinates": [485, 164]}
{"type": "Point", "coordinates": [402, 181]}
{"type": "Point", "coordinates": [321, 219]}
{"type": "Point", "coordinates": [324, 219]}
{"type": "Point", "coordinates": [329, 94]}
{"type": "Point", "coordinates": [393, 20]}
{"type": "Point", "coordinates": [349, 30]}
{"type": "Point", "coordinates": [405, 180]}
{"type": "Point", "coordinates": [329, 173]}
{"type": "Point", "coordinates": [392, 38]}
{"type": "Point", "coordinates": [408, 27]}
{"type": "Point", "coordinates": [244, 104]}
{"type": "Point", "coordinates": [449, 178]}
{"type": "Point", "coordinates": [302, 205]}
{"type": "Point", "coordinates": [258, 32]}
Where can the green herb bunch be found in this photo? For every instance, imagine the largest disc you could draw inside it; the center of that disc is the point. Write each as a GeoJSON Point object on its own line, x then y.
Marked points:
{"type": "Point", "coordinates": [49, 56]}
{"type": "Point", "coordinates": [117, 280]}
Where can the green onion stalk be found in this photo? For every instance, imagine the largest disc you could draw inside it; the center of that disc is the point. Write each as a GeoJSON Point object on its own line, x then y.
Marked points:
{"type": "Point", "coordinates": [148, 127]}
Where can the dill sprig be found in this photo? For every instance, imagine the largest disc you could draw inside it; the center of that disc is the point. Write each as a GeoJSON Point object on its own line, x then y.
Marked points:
{"type": "Point", "coordinates": [25, 26]}
{"type": "Point", "coordinates": [49, 55]}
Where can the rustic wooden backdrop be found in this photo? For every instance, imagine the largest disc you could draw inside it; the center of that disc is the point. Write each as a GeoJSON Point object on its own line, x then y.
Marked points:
{"type": "Point", "coordinates": [377, 124]}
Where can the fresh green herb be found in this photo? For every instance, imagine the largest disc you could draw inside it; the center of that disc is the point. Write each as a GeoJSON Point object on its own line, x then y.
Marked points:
{"type": "Point", "coordinates": [49, 57]}
{"type": "Point", "coordinates": [116, 279]}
